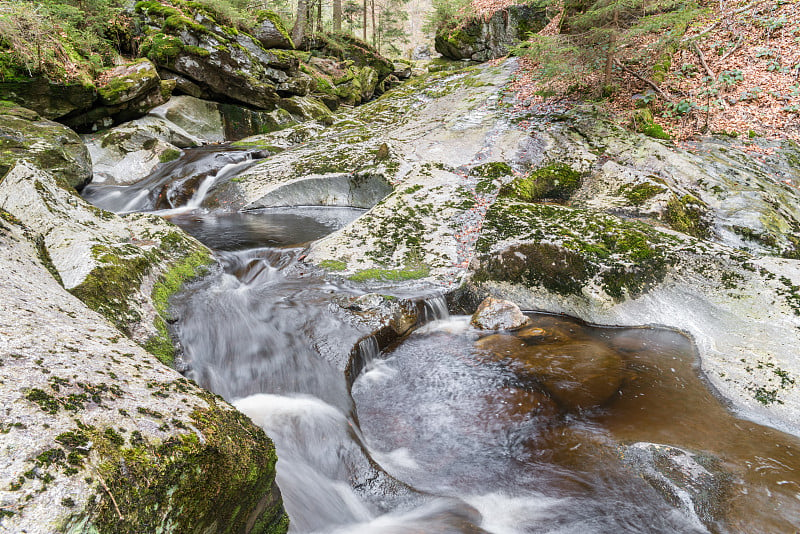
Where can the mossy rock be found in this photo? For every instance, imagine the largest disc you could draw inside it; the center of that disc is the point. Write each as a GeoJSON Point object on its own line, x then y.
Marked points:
{"type": "Point", "coordinates": [128, 82]}
{"type": "Point", "coordinates": [565, 250]}
{"type": "Point", "coordinates": [49, 99]}
{"type": "Point", "coordinates": [270, 31]}
{"type": "Point", "coordinates": [643, 122]}
{"type": "Point", "coordinates": [347, 47]}
{"type": "Point", "coordinates": [47, 144]}
{"type": "Point", "coordinates": [557, 181]}
{"type": "Point", "coordinates": [688, 214]}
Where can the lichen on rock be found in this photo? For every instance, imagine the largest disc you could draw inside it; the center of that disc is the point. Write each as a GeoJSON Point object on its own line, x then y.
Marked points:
{"type": "Point", "coordinates": [101, 437]}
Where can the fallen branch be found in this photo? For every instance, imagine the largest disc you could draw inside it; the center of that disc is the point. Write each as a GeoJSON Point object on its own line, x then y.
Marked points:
{"type": "Point", "coordinates": [732, 50]}
{"type": "Point", "coordinates": [703, 61]}
{"type": "Point", "coordinates": [113, 500]}
{"type": "Point", "coordinates": [649, 82]}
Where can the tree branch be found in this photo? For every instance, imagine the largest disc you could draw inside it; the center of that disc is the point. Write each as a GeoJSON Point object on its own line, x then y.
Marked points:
{"type": "Point", "coordinates": [649, 82]}
{"type": "Point", "coordinates": [703, 61]}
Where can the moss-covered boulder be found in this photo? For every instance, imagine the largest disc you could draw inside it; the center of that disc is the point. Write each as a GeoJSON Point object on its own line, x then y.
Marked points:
{"type": "Point", "coordinates": [125, 268]}
{"type": "Point", "coordinates": [228, 64]}
{"type": "Point", "coordinates": [270, 31]}
{"type": "Point", "coordinates": [98, 436]}
{"type": "Point", "coordinates": [127, 82]}
{"type": "Point", "coordinates": [52, 146]}
{"type": "Point", "coordinates": [481, 39]}
{"type": "Point", "coordinates": [347, 47]}
{"type": "Point", "coordinates": [48, 99]}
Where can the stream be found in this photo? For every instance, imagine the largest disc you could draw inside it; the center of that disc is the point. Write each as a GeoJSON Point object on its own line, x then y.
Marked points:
{"type": "Point", "coordinates": [558, 427]}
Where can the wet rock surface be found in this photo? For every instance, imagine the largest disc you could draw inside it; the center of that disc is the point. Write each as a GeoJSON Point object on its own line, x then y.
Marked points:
{"type": "Point", "coordinates": [496, 314]}
{"type": "Point", "coordinates": [695, 483]}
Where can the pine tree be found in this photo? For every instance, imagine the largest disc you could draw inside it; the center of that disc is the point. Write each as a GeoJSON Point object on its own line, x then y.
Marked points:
{"type": "Point", "coordinates": [599, 37]}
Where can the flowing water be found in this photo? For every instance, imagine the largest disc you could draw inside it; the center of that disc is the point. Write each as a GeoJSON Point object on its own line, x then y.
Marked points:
{"type": "Point", "coordinates": [560, 427]}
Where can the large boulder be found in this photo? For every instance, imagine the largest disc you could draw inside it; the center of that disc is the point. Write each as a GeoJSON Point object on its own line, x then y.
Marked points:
{"type": "Point", "coordinates": [52, 146]}
{"type": "Point", "coordinates": [347, 47]}
{"type": "Point", "coordinates": [50, 100]}
{"type": "Point", "coordinates": [270, 31]}
{"type": "Point", "coordinates": [482, 39]}
{"type": "Point", "coordinates": [125, 268]}
{"type": "Point", "coordinates": [98, 436]}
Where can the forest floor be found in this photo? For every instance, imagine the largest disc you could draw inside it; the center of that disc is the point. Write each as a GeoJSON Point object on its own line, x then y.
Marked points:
{"type": "Point", "coordinates": [737, 72]}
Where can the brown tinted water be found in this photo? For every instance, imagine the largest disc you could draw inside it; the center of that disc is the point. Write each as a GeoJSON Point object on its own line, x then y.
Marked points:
{"type": "Point", "coordinates": [544, 431]}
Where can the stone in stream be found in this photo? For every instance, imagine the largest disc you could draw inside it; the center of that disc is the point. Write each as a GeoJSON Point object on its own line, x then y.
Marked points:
{"type": "Point", "coordinates": [577, 374]}
{"type": "Point", "coordinates": [697, 484]}
{"type": "Point", "coordinates": [497, 314]}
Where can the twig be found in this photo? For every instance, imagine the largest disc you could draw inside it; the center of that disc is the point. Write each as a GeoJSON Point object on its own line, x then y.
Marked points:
{"type": "Point", "coordinates": [651, 83]}
{"type": "Point", "coordinates": [703, 61]}
{"type": "Point", "coordinates": [113, 500]}
{"type": "Point", "coordinates": [732, 50]}
{"type": "Point", "coordinates": [735, 12]}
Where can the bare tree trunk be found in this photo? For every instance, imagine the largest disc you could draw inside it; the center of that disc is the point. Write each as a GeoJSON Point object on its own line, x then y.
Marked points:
{"type": "Point", "coordinates": [299, 30]}
{"type": "Point", "coordinates": [612, 49]}
{"type": "Point", "coordinates": [374, 41]}
{"type": "Point", "coordinates": [365, 21]}
{"type": "Point", "coordinates": [337, 16]}
{"type": "Point", "coordinates": [319, 16]}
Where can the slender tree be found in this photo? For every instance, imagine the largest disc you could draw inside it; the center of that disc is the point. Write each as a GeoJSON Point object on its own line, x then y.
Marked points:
{"type": "Point", "coordinates": [337, 16]}
{"type": "Point", "coordinates": [365, 21]}
{"type": "Point", "coordinates": [300, 23]}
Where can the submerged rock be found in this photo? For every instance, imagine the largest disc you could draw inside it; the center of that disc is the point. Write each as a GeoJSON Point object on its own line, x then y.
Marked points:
{"type": "Point", "coordinates": [49, 145]}
{"type": "Point", "coordinates": [695, 483]}
{"type": "Point", "coordinates": [577, 374]}
{"type": "Point", "coordinates": [496, 314]}
{"type": "Point", "coordinates": [99, 436]}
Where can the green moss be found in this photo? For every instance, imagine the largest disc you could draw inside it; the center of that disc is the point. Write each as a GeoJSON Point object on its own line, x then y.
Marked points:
{"type": "Point", "coordinates": [167, 486]}
{"type": "Point", "coordinates": [395, 275]}
{"type": "Point", "coordinates": [565, 250]}
{"type": "Point", "coordinates": [640, 193]}
{"type": "Point", "coordinates": [161, 48]}
{"type": "Point", "coordinates": [492, 170]}
{"type": "Point", "coordinates": [107, 288]}
{"type": "Point", "coordinates": [168, 155]}
{"type": "Point", "coordinates": [687, 214]}
{"type": "Point", "coordinates": [169, 283]}
{"type": "Point", "coordinates": [555, 181]}
{"type": "Point", "coordinates": [333, 265]}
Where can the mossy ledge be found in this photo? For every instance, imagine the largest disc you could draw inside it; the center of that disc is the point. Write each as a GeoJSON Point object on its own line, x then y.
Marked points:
{"type": "Point", "coordinates": [112, 287]}
{"type": "Point", "coordinates": [565, 250]}
{"type": "Point", "coordinates": [555, 181]}
{"type": "Point", "coordinates": [167, 486]}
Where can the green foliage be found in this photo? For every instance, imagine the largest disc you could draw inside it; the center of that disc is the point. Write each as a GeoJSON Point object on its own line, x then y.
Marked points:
{"type": "Point", "coordinates": [63, 40]}
{"type": "Point", "coordinates": [446, 14]}
{"type": "Point", "coordinates": [596, 33]}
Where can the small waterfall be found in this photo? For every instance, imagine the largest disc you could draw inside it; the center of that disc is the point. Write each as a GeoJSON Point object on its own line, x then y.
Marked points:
{"type": "Point", "coordinates": [368, 350]}
{"type": "Point", "coordinates": [229, 170]}
{"type": "Point", "coordinates": [434, 309]}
